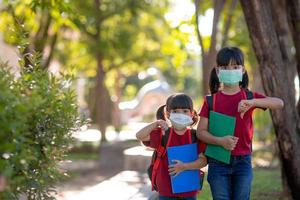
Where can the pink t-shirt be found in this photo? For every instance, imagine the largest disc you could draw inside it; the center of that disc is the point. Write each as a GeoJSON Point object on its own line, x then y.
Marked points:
{"type": "Point", "coordinates": [228, 105]}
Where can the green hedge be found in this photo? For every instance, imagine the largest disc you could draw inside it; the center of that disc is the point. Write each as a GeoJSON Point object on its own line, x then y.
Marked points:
{"type": "Point", "coordinates": [38, 114]}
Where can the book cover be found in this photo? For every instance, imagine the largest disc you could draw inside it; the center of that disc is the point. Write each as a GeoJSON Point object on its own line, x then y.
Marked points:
{"type": "Point", "coordinates": [220, 125]}
{"type": "Point", "coordinates": [188, 180]}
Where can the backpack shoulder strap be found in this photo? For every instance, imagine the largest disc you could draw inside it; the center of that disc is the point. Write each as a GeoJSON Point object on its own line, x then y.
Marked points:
{"type": "Point", "coordinates": [165, 138]}
{"type": "Point", "coordinates": [249, 94]}
{"type": "Point", "coordinates": [194, 135]}
{"type": "Point", "coordinates": [209, 100]}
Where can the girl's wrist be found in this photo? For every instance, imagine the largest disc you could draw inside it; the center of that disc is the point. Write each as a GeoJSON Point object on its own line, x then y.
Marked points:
{"type": "Point", "coordinates": [254, 102]}
{"type": "Point", "coordinates": [184, 166]}
{"type": "Point", "coordinates": [219, 141]}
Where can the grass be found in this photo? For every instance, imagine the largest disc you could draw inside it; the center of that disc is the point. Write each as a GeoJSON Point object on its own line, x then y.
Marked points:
{"type": "Point", "coordinates": [266, 185]}
{"type": "Point", "coordinates": [82, 156]}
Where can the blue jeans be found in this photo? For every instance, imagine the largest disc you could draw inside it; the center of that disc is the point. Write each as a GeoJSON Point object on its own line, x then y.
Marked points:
{"type": "Point", "coordinates": [176, 198]}
{"type": "Point", "coordinates": [230, 181]}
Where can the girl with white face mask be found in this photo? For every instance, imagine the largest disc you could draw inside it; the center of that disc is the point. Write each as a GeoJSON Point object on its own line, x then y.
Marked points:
{"type": "Point", "coordinates": [180, 112]}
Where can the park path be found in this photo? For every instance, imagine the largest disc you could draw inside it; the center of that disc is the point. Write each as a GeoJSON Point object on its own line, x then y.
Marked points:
{"type": "Point", "coordinates": [91, 174]}
{"type": "Point", "coordinates": [94, 172]}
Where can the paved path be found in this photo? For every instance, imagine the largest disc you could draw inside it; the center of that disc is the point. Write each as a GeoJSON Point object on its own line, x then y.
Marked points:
{"type": "Point", "coordinates": [92, 173]}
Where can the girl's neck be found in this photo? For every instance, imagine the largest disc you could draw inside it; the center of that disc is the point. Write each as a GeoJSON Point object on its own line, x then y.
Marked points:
{"type": "Point", "coordinates": [228, 89]}
{"type": "Point", "coordinates": [179, 132]}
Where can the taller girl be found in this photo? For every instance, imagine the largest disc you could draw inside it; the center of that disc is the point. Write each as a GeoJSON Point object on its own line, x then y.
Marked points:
{"type": "Point", "coordinates": [230, 94]}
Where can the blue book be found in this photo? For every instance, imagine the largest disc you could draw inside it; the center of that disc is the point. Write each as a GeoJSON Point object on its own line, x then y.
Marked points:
{"type": "Point", "coordinates": [188, 180]}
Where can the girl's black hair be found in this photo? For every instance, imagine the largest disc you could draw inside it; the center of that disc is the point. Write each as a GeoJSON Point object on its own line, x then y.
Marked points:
{"type": "Point", "coordinates": [180, 101]}
{"type": "Point", "coordinates": [160, 113]}
{"type": "Point", "coordinates": [226, 56]}
{"type": "Point", "coordinates": [177, 101]}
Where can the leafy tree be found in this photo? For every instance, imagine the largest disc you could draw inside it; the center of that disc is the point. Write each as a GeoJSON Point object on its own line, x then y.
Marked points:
{"type": "Point", "coordinates": [106, 40]}
{"type": "Point", "coordinates": [118, 39]}
{"type": "Point", "coordinates": [43, 20]}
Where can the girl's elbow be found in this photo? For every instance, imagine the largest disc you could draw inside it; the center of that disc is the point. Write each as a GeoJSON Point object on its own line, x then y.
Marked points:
{"type": "Point", "coordinates": [199, 134]}
{"type": "Point", "coordinates": [281, 103]}
{"type": "Point", "coordinates": [138, 137]}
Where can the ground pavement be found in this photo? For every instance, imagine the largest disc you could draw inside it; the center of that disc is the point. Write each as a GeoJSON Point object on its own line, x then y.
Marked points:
{"type": "Point", "coordinates": [106, 178]}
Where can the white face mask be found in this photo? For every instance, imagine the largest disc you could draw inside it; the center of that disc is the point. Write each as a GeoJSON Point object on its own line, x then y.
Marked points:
{"type": "Point", "coordinates": [180, 121]}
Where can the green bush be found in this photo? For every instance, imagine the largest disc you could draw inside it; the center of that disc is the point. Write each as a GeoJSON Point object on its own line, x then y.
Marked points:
{"type": "Point", "coordinates": [38, 115]}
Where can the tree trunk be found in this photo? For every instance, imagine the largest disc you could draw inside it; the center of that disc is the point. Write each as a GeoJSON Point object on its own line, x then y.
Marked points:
{"type": "Point", "coordinates": [208, 58]}
{"type": "Point", "coordinates": [271, 58]}
{"type": "Point", "coordinates": [101, 96]}
{"type": "Point", "coordinates": [116, 118]}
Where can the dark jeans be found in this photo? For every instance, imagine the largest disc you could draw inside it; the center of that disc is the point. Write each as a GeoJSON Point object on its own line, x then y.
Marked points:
{"type": "Point", "coordinates": [230, 181]}
{"type": "Point", "coordinates": [176, 198]}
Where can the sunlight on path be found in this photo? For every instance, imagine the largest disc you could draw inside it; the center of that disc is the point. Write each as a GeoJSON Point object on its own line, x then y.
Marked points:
{"type": "Point", "coordinates": [93, 135]}
{"type": "Point", "coordinates": [123, 186]}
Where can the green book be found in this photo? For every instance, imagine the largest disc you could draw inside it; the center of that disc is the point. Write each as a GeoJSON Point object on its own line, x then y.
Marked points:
{"type": "Point", "coordinates": [219, 125]}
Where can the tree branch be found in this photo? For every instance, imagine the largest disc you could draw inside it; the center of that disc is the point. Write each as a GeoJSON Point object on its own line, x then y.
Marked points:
{"type": "Point", "coordinates": [51, 51]}
{"type": "Point", "coordinates": [228, 21]}
{"type": "Point", "coordinates": [41, 35]}
{"type": "Point", "coordinates": [199, 36]}
{"type": "Point", "coordinates": [97, 11]}
{"type": "Point", "coordinates": [218, 7]}
{"type": "Point", "coordinates": [120, 9]}
{"type": "Point", "coordinates": [83, 28]}
{"type": "Point", "coordinates": [132, 59]}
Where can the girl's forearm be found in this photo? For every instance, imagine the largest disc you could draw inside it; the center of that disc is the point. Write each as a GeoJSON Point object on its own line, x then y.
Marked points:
{"type": "Point", "coordinates": [197, 164]}
{"type": "Point", "coordinates": [228, 142]}
{"type": "Point", "coordinates": [208, 138]}
{"type": "Point", "coordinates": [144, 133]}
{"type": "Point", "coordinates": [269, 102]}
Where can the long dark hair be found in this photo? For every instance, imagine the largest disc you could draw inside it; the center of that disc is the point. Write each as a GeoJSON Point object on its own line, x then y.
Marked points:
{"type": "Point", "coordinates": [226, 56]}
{"type": "Point", "coordinates": [177, 101]}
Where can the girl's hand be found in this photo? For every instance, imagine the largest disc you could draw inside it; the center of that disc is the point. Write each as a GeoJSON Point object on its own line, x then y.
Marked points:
{"type": "Point", "coordinates": [229, 142]}
{"type": "Point", "coordinates": [176, 168]}
{"type": "Point", "coordinates": [162, 124]}
{"type": "Point", "coordinates": [244, 106]}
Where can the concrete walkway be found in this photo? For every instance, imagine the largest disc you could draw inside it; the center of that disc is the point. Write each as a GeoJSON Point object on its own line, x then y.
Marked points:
{"type": "Point", "coordinates": [127, 185]}
{"type": "Point", "coordinates": [106, 178]}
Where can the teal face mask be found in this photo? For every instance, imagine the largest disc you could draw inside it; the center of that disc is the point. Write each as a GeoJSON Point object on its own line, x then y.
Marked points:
{"type": "Point", "coordinates": [230, 77]}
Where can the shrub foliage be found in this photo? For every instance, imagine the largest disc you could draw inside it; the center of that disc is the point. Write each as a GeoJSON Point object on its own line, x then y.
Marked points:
{"type": "Point", "coordinates": [38, 114]}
